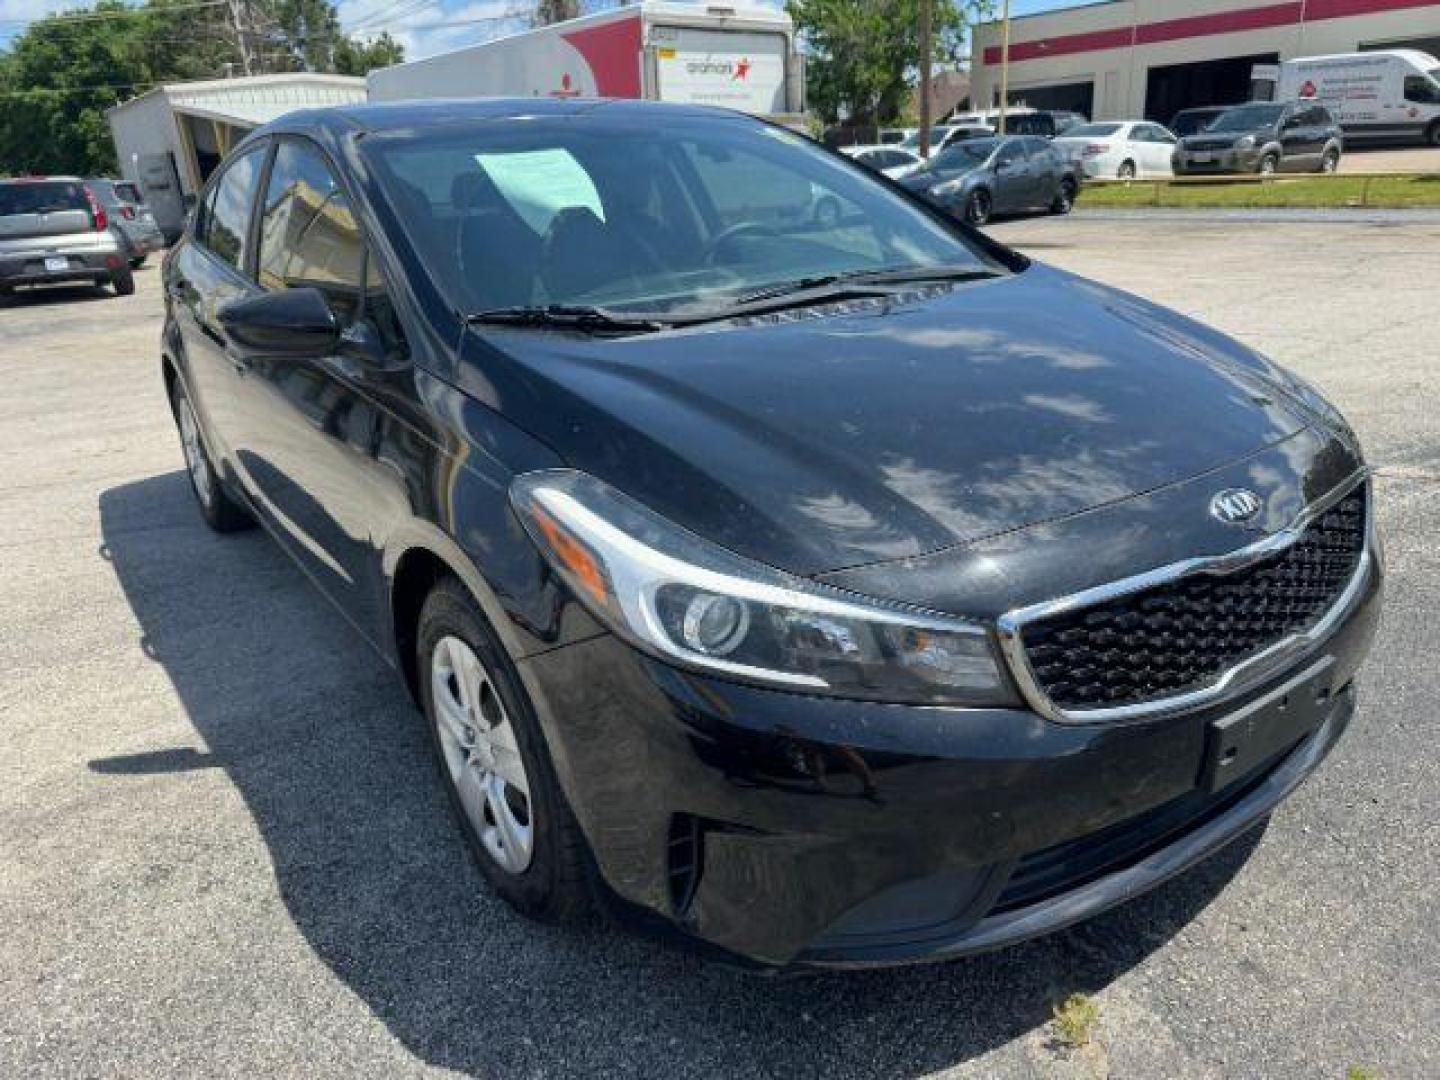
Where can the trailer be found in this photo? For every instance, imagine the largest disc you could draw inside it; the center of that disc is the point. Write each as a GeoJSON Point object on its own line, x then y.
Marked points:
{"type": "Point", "coordinates": [169, 139]}
{"type": "Point", "coordinates": [736, 58]}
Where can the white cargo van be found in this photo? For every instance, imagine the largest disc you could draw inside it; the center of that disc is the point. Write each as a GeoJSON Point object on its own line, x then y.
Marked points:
{"type": "Point", "coordinates": [696, 54]}
{"type": "Point", "coordinates": [1390, 96]}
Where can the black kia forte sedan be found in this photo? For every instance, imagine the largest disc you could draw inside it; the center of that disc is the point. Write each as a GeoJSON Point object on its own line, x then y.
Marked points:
{"type": "Point", "coordinates": [828, 592]}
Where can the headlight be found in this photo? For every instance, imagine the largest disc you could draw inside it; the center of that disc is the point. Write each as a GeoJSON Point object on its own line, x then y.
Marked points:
{"type": "Point", "coordinates": [1245, 142]}
{"type": "Point", "coordinates": [684, 599]}
{"type": "Point", "coordinates": [950, 187]}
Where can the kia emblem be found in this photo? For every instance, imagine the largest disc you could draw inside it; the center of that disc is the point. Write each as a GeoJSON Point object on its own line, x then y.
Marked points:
{"type": "Point", "coordinates": [1235, 506]}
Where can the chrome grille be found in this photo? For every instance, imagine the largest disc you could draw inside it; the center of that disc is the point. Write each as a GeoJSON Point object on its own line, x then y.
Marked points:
{"type": "Point", "coordinates": [1185, 634]}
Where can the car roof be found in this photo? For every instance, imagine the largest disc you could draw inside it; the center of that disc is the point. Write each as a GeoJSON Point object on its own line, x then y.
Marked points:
{"type": "Point", "coordinates": [401, 115]}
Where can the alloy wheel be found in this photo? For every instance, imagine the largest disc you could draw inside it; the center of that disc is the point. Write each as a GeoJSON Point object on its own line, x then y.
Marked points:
{"type": "Point", "coordinates": [482, 757]}
{"type": "Point", "coordinates": [195, 460]}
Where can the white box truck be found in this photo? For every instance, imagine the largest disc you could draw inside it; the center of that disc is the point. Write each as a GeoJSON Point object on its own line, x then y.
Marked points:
{"type": "Point", "coordinates": [737, 58]}
{"type": "Point", "coordinates": [1391, 96]}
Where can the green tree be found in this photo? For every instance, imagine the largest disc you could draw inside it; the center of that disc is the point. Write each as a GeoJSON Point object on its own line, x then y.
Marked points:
{"type": "Point", "coordinates": [60, 75]}
{"type": "Point", "coordinates": [862, 55]}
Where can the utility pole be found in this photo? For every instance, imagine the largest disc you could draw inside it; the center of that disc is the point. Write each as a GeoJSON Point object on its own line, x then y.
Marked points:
{"type": "Point", "coordinates": [1004, 66]}
{"type": "Point", "coordinates": [927, 52]}
{"type": "Point", "coordinates": [238, 13]}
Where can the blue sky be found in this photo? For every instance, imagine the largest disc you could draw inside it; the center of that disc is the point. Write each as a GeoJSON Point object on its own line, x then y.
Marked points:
{"type": "Point", "coordinates": [425, 26]}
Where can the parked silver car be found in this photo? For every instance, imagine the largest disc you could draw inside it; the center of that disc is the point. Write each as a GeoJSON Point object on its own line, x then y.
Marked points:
{"type": "Point", "coordinates": [53, 229]}
{"type": "Point", "coordinates": [129, 216]}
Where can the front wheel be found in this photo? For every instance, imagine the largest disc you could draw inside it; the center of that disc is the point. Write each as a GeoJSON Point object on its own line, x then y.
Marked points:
{"type": "Point", "coordinates": [493, 762]}
{"type": "Point", "coordinates": [978, 207]}
{"type": "Point", "coordinates": [1064, 198]}
{"type": "Point", "coordinates": [1432, 134]}
{"type": "Point", "coordinates": [220, 511]}
{"type": "Point", "coordinates": [1269, 165]}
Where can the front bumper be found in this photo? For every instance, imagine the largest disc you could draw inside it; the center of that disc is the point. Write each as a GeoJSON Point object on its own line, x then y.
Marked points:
{"type": "Point", "coordinates": [798, 831]}
{"type": "Point", "coordinates": [1230, 160]}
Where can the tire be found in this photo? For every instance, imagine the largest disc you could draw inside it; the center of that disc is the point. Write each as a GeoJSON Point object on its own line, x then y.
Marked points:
{"type": "Point", "coordinates": [1269, 165]}
{"type": "Point", "coordinates": [1432, 134]}
{"type": "Point", "coordinates": [1329, 162]}
{"type": "Point", "coordinates": [551, 880]}
{"type": "Point", "coordinates": [220, 511]}
{"type": "Point", "coordinates": [978, 207]}
{"type": "Point", "coordinates": [1127, 170]}
{"type": "Point", "coordinates": [123, 282]}
{"type": "Point", "coordinates": [1064, 198]}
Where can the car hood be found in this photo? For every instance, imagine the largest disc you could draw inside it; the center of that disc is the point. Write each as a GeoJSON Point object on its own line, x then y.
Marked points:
{"type": "Point", "coordinates": [1226, 136]}
{"type": "Point", "coordinates": [827, 438]}
{"type": "Point", "coordinates": [925, 179]}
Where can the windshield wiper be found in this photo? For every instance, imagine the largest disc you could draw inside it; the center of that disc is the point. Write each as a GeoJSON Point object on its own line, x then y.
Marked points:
{"type": "Point", "coordinates": [568, 317]}
{"type": "Point", "coordinates": [858, 280]}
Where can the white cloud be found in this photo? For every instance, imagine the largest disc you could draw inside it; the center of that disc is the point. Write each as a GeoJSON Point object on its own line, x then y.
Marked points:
{"type": "Point", "coordinates": [434, 28]}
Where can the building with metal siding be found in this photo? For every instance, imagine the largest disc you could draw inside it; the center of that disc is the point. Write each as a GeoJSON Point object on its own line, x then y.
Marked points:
{"type": "Point", "coordinates": [1125, 59]}
{"type": "Point", "coordinates": [170, 139]}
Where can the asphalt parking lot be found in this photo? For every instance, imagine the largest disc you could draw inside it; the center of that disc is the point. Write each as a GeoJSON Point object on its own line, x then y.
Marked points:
{"type": "Point", "coordinates": [223, 850]}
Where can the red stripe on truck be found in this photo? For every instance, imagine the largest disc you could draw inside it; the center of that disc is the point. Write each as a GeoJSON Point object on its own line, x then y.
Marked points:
{"type": "Point", "coordinates": [613, 52]}
{"type": "Point", "coordinates": [1193, 26]}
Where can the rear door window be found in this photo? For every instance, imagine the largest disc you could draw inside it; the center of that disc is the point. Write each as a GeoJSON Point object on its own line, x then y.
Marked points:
{"type": "Point", "coordinates": [226, 221]}
{"type": "Point", "coordinates": [309, 237]}
{"type": "Point", "coordinates": [42, 197]}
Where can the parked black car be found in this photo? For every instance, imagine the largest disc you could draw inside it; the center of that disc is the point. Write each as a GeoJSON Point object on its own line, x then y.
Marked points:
{"type": "Point", "coordinates": [1264, 138]}
{"type": "Point", "coordinates": [979, 178]}
{"type": "Point", "coordinates": [829, 596]}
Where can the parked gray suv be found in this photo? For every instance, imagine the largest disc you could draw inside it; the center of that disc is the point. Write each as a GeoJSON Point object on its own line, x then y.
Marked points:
{"type": "Point", "coordinates": [53, 229]}
{"type": "Point", "coordinates": [129, 217]}
{"type": "Point", "coordinates": [1264, 137]}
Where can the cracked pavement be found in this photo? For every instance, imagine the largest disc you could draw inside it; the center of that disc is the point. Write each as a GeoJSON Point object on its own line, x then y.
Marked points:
{"type": "Point", "coordinates": [223, 850]}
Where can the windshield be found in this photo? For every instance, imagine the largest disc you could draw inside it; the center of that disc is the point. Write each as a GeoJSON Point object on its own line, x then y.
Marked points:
{"type": "Point", "coordinates": [1092, 131]}
{"type": "Point", "coordinates": [1188, 123]}
{"type": "Point", "coordinates": [1248, 118]}
{"type": "Point", "coordinates": [937, 136]}
{"type": "Point", "coordinates": [633, 218]}
{"type": "Point", "coordinates": [964, 155]}
{"type": "Point", "coordinates": [46, 197]}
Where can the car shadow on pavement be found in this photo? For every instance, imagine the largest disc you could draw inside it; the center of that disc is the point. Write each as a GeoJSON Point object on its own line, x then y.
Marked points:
{"type": "Point", "coordinates": [322, 742]}
{"type": "Point", "coordinates": [54, 294]}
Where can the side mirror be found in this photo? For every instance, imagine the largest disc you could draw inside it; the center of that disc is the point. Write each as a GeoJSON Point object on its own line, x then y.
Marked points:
{"type": "Point", "coordinates": [287, 322]}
